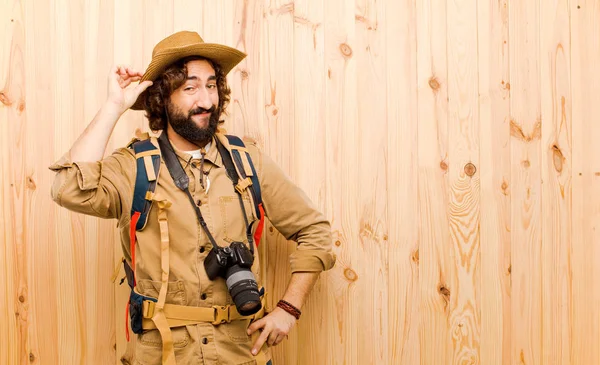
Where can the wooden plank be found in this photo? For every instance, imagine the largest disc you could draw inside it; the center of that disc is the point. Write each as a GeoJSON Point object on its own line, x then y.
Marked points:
{"type": "Point", "coordinates": [402, 204]}
{"type": "Point", "coordinates": [585, 56]}
{"type": "Point", "coordinates": [310, 164]}
{"type": "Point", "coordinates": [42, 316]}
{"type": "Point", "coordinates": [494, 159]}
{"type": "Point", "coordinates": [279, 144]}
{"type": "Point", "coordinates": [556, 145]}
{"type": "Point", "coordinates": [370, 164]}
{"type": "Point", "coordinates": [463, 179]}
{"type": "Point", "coordinates": [14, 193]}
{"type": "Point", "coordinates": [463, 156]}
{"type": "Point", "coordinates": [436, 272]}
{"type": "Point", "coordinates": [526, 201]}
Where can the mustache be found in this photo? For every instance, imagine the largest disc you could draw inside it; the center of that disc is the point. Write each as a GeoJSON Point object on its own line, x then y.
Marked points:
{"type": "Point", "coordinates": [201, 111]}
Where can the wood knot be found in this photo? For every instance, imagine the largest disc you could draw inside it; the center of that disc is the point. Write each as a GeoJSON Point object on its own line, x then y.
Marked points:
{"type": "Point", "coordinates": [338, 243]}
{"type": "Point", "coordinates": [444, 165]}
{"type": "Point", "coordinates": [21, 106]}
{"type": "Point", "coordinates": [470, 169]}
{"type": "Point", "coordinates": [434, 84]}
{"type": "Point", "coordinates": [509, 269]}
{"type": "Point", "coordinates": [4, 99]}
{"type": "Point", "coordinates": [558, 158]}
{"type": "Point", "coordinates": [30, 183]}
{"type": "Point", "coordinates": [506, 85]}
{"type": "Point", "coordinates": [526, 164]}
{"type": "Point", "coordinates": [21, 298]}
{"type": "Point", "coordinates": [385, 237]}
{"type": "Point", "coordinates": [444, 291]}
{"type": "Point", "coordinates": [346, 50]}
{"type": "Point", "coordinates": [31, 357]}
{"type": "Point", "coordinates": [504, 188]}
{"type": "Point", "coordinates": [415, 256]}
{"type": "Point", "coordinates": [244, 74]}
{"type": "Point", "coordinates": [271, 229]}
{"type": "Point", "coordinates": [275, 111]}
{"type": "Point", "coordinates": [350, 275]}
{"type": "Point", "coordinates": [329, 73]}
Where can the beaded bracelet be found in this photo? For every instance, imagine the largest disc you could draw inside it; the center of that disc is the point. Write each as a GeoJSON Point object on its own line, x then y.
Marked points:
{"type": "Point", "coordinates": [286, 306]}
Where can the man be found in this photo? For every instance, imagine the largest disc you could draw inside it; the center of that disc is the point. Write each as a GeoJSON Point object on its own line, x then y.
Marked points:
{"type": "Point", "coordinates": [188, 315]}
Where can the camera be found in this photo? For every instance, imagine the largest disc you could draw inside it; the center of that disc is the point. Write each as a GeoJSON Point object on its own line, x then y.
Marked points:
{"type": "Point", "coordinates": [233, 263]}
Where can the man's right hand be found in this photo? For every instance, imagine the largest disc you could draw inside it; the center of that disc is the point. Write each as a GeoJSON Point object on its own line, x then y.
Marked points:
{"type": "Point", "coordinates": [119, 96]}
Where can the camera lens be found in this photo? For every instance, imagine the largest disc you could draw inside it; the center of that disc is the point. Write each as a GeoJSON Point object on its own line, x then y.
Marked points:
{"type": "Point", "coordinates": [244, 290]}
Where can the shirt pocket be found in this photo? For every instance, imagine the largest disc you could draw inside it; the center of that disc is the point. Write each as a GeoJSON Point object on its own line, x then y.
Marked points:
{"type": "Point", "coordinates": [175, 290]}
{"type": "Point", "coordinates": [233, 224]}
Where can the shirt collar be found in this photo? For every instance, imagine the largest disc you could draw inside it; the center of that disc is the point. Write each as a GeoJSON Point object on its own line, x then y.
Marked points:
{"type": "Point", "coordinates": [212, 154]}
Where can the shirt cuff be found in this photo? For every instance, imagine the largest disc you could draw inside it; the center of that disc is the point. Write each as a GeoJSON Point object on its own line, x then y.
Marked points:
{"type": "Point", "coordinates": [311, 260]}
{"type": "Point", "coordinates": [88, 173]}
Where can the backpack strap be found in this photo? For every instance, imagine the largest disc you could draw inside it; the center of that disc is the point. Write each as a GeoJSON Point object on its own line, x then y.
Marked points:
{"type": "Point", "coordinates": [147, 157]}
{"type": "Point", "coordinates": [247, 178]}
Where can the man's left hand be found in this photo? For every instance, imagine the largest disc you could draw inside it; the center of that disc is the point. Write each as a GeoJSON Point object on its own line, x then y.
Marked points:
{"type": "Point", "coordinates": [275, 327]}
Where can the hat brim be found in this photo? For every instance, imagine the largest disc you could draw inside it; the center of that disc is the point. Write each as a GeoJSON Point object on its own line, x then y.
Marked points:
{"type": "Point", "coordinates": [226, 57]}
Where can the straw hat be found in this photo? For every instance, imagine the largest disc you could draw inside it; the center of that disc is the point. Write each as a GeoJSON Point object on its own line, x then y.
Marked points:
{"type": "Point", "coordinates": [183, 44]}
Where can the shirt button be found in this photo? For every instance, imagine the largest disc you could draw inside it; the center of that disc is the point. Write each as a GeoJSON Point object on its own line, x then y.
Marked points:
{"type": "Point", "coordinates": [203, 296]}
{"type": "Point", "coordinates": [202, 249]}
{"type": "Point", "coordinates": [205, 340]}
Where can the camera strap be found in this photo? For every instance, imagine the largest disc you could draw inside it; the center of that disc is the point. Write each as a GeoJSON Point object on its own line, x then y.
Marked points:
{"type": "Point", "coordinates": [181, 179]}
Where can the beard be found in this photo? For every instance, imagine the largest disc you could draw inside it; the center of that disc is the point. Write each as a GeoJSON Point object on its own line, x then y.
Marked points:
{"type": "Point", "coordinates": [185, 126]}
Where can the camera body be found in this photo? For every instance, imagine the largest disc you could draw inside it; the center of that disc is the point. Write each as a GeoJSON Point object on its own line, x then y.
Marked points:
{"type": "Point", "coordinates": [233, 263]}
{"type": "Point", "coordinates": [220, 259]}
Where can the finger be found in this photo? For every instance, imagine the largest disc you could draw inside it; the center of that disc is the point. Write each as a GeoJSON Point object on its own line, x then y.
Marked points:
{"type": "Point", "coordinates": [143, 86]}
{"type": "Point", "coordinates": [280, 338]}
{"type": "Point", "coordinates": [256, 325]}
{"type": "Point", "coordinates": [136, 73]}
{"type": "Point", "coordinates": [260, 341]}
{"type": "Point", "coordinates": [272, 340]}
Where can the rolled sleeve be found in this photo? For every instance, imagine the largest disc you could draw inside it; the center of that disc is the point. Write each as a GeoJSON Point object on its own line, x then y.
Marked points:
{"type": "Point", "coordinates": [94, 188]}
{"type": "Point", "coordinates": [293, 214]}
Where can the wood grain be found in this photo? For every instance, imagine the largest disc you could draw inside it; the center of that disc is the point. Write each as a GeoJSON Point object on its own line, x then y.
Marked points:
{"type": "Point", "coordinates": [585, 248]}
{"type": "Point", "coordinates": [402, 183]}
{"type": "Point", "coordinates": [556, 166]}
{"type": "Point", "coordinates": [463, 180]}
{"type": "Point", "coordinates": [341, 140]}
{"type": "Point", "coordinates": [495, 192]}
{"type": "Point", "coordinates": [526, 203]}
{"type": "Point", "coordinates": [436, 269]}
{"type": "Point", "coordinates": [369, 213]}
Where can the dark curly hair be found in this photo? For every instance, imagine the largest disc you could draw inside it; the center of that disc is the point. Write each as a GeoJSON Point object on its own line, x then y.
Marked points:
{"type": "Point", "coordinates": [171, 79]}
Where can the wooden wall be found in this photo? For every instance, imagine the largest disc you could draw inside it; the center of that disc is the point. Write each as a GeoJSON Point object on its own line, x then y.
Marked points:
{"type": "Point", "coordinates": [455, 146]}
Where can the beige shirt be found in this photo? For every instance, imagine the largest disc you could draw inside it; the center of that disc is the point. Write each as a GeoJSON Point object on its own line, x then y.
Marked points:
{"type": "Point", "coordinates": [105, 189]}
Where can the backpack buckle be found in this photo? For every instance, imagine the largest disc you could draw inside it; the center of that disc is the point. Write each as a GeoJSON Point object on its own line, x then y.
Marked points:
{"type": "Point", "coordinates": [221, 314]}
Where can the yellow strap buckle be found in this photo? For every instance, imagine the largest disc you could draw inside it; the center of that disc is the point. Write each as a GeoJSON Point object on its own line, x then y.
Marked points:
{"type": "Point", "coordinates": [148, 308]}
{"type": "Point", "coordinates": [221, 314]}
{"type": "Point", "coordinates": [243, 184]}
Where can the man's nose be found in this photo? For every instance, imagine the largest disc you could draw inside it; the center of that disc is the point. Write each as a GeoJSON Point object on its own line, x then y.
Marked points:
{"type": "Point", "coordinates": [203, 98]}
